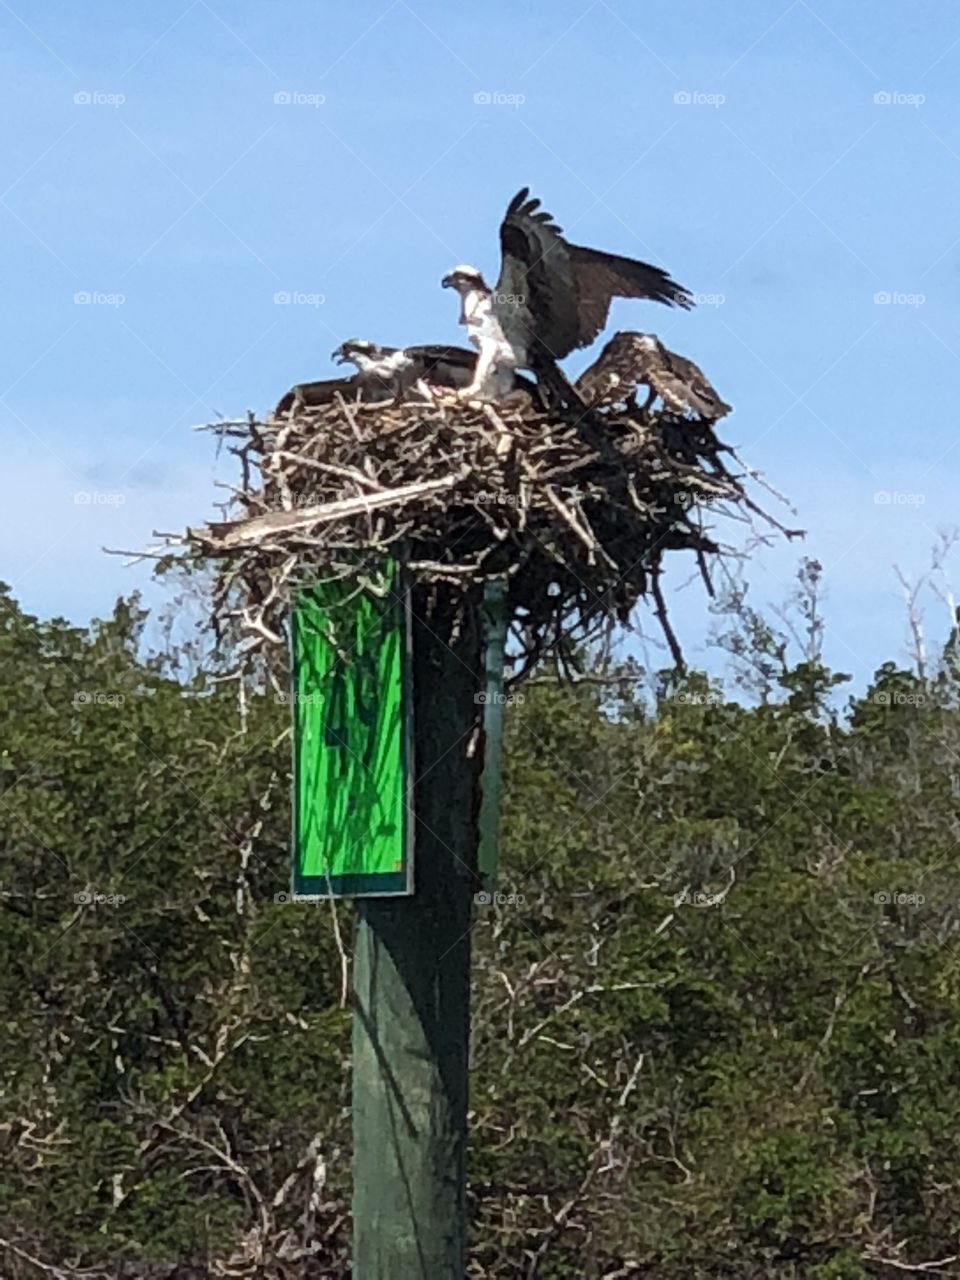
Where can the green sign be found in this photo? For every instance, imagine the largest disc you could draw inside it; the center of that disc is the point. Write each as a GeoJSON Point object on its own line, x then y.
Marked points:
{"type": "Point", "coordinates": [353, 788]}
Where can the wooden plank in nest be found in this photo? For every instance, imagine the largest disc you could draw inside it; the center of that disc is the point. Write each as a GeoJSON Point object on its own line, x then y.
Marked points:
{"type": "Point", "coordinates": [240, 533]}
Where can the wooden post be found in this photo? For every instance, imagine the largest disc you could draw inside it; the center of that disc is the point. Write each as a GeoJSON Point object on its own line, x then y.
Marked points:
{"type": "Point", "coordinates": [412, 987]}
{"type": "Point", "coordinates": [494, 645]}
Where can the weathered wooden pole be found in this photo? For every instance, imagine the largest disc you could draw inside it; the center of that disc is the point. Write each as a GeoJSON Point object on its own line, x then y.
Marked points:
{"type": "Point", "coordinates": [411, 992]}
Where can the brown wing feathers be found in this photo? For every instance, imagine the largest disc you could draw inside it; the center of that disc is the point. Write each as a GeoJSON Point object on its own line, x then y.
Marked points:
{"type": "Point", "coordinates": [571, 286]}
{"type": "Point", "coordinates": [601, 277]}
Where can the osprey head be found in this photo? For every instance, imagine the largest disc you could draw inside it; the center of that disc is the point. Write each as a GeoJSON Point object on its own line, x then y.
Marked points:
{"type": "Point", "coordinates": [356, 351]}
{"type": "Point", "coordinates": [649, 343]}
{"type": "Point", "coordinates": [464, 279]}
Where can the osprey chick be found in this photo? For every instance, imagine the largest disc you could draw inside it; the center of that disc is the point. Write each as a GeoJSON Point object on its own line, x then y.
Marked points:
{"type": "Point", "coordinates": [633, 359]}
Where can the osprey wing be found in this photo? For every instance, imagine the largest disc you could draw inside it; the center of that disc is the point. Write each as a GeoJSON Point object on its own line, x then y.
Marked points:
{"type": "Point", "coordinates": [601, 277]}
{"type": "Point", "coordinates": [310, 394]}
{"type": "Point", "coordinates": [566, 288]}
{"type": "Point", "coordinates": [536, 273]}
{"type": "Point", "coordinates": [445, 366]}
{"type": "Point", "coordinates": [701, 396]}
{"type": "Point", "coordinates": [437, 353]}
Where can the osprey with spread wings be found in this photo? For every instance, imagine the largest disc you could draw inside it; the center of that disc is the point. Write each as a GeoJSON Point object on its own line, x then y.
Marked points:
{"type": "Point", "coordinates": [551, 296]}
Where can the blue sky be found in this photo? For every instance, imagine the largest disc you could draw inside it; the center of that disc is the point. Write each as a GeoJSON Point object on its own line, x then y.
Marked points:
{"type": "Point", "coordinates": [149, 164]}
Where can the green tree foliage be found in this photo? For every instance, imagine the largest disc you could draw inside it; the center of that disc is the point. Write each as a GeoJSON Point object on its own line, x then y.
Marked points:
{"type": "Point", "coordinates": [166, 1020]}
{"type": "Point", "coordinates": [716, 1011]}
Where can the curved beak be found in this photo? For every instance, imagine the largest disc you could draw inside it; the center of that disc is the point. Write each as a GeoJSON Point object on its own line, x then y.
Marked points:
{"type": "Point", "coordinates": [446, 282]}
{"type": "Point", "coordinates": [338, 357]}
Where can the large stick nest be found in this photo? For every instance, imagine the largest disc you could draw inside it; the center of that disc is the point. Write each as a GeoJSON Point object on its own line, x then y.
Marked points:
{"type": "Point", "coordinates": [575, 511]}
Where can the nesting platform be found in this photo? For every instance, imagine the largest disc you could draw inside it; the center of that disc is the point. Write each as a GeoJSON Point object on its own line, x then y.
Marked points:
{"type": "Point", "coordinates": [575, 511]}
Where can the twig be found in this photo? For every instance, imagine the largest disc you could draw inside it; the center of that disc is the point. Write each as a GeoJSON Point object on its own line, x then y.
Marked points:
{"type": "Point", "coordinates": [926, 1268]}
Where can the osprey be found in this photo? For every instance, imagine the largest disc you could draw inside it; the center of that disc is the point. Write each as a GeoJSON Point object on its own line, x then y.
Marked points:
{"type": "Point", "coordinates": [390, 373]}
{"type": "Point", "coordinates": [553, 296]}
{"type": "Point", "coordinates": [496, 360]}
{"type": "Point", "coordinates": [632, 359]}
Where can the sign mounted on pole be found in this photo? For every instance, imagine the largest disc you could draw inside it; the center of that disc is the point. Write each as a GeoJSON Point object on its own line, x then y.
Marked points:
{"type": "Point", "coordinates": [352, 742]}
